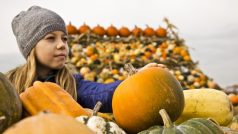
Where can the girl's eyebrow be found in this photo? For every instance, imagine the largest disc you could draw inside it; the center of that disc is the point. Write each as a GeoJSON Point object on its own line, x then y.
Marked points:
{"type": "Point", "coordinates": [49, 34]}
{"type": "Point", "coordinates": [54, 34]}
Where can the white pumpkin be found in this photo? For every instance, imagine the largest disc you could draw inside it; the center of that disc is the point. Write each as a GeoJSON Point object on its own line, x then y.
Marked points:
{"type": "Point", "coordinates": [99, 124]}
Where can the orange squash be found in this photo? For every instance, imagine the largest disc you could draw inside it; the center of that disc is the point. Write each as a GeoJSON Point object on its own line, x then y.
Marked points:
{"type": "Point", "coordinates": [71, 29]}
{"type": "Point", "coordinates": [137, 31]}
{"type": "Point", "coordinates": [161, 32]}
{"type": "Point", "coordinates": [112, 31]}
{"type": "Point", "coordinates": [148, 31]}
{"type": "Point", "coordinates": [50, 97]}
{"type": "Point", "coordinates": [99, 30]}
{"type": "Point", "coordinates": [138, 99]}
{"type": "Point", "coordinates": [49, 123]}
{"type": "Point", "coordinates": [84, 28]}
{"type": "Point", "coordinates": [124, 32]}
{"type": "Point", "coordinates": [233, 98]}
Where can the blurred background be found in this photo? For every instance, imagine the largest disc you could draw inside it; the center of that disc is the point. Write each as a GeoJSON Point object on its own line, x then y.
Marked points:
{"type": "Point", "coordinates": [209, 27]}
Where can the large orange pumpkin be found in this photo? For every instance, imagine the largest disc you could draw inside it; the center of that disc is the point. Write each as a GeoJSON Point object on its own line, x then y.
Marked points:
{"type": "Point", "coordinates": [138, 99]}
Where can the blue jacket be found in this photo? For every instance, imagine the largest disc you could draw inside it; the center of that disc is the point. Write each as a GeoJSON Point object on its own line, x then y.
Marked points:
{"type": "Point", "coordinates": [89, 93]}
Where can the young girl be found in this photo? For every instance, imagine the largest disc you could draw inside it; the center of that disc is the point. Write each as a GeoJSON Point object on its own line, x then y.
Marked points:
{"type": "Point", "coordinates": [42, 39]}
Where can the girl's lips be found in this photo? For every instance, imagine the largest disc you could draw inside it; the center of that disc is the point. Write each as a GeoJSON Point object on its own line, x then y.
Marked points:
{"type": "Point", "coordinates": [59, 55]}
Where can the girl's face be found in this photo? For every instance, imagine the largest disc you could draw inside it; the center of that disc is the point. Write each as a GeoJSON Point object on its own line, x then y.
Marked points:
{"type": "Point", "coordinates": [52, 50]}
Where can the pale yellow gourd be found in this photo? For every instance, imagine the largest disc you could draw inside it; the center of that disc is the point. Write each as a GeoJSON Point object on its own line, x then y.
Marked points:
{"type": "Point", "coordinates": [207, 103]}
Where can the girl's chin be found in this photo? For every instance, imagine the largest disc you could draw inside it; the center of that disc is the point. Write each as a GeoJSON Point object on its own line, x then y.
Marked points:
{"type": "Point", "coordinates": [58, 66]}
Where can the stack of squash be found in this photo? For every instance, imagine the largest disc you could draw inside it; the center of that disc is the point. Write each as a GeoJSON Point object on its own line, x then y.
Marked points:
{"type": "Point", "coordinates": [99, 54]}
{"type": "Point", "coordinates": [142, 103]}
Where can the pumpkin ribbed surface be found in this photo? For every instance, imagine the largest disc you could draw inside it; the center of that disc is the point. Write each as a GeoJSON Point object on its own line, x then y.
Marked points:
{"type": "Point", "coordinates": [49, 123]}
{"type": "Point", "coordinates": [192, 126]}
{"type": "Point", "coordinates": [138, 99]}
{"type": "Point", "coordinates": [50, 97]}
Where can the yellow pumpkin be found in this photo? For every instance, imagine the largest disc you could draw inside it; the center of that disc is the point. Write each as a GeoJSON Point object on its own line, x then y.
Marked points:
{"type": "Point", "coordinates": [137, 100]}
{"type": "Point", "coordinates": [207, 103]}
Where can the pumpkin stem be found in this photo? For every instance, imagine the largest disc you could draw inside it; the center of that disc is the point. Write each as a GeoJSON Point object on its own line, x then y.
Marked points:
{"type": "Point", "coordinates": [166, 119]}
{"type": "Point", "coordinates": [96, 108]}
{"type": "Point", "coordinates": [213, 121]}
{"type": "Point", "coordinates": [130, 69]}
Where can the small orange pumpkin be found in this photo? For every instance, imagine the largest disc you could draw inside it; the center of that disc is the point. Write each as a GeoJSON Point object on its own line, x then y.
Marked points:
{"type": "Point", "coordinates": [90, 50]}
{"type": "Point", "coordinates": [71, 29]}
{"type": "Point", "coordinates": [161, 32]}
{"type": "Point", "coordinates": [112, 31]}
{"type": "Point", "coordinates": [233, 98]}
{"type": "Point", "coordinates": [99, 30]}
{"type": "Point", "coordinates": [124, 32]}
{"type": "Point", "coordinates": [148, 31]}
{"type": "Point", "coordinates": [137, 31]}
{"type": "Point", "coordinates": [84, 28]}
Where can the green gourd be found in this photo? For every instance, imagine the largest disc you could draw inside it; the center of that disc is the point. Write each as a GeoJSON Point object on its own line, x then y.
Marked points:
{"type": "Point", "coordinates": [192, 126]}
{"type": "Point", "coordinates": [10, 104]}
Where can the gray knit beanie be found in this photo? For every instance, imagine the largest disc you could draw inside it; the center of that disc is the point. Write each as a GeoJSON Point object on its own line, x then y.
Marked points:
{"type": "Point", "coordinates": [32, 25]}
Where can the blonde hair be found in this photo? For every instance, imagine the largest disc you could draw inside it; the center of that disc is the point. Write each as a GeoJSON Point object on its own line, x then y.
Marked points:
{"type": "Point", "coordinates": [24, 76]}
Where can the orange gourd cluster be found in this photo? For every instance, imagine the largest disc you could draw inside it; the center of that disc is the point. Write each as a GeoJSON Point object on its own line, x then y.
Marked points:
{"type": "Point", "coordinates": [112, 31]}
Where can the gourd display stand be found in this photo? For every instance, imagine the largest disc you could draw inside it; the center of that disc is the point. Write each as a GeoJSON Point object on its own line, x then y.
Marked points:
{"type": "Point", "coordinates": [100, 54]}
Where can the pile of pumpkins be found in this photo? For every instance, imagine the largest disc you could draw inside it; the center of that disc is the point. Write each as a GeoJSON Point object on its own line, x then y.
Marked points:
{"type": "Point", "coordinates": [100, 54]}
{"type": "Point", "coordinates": [157, 104]}
{"type": "Point", "coordinates": [157, 100]}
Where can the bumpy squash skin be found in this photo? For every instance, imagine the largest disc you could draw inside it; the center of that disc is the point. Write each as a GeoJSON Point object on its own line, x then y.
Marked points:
{"type": "Point", "coordinates": [192, 126]}
{"type": "Point", "coordinates": [10, 104]}
{"type": "Point", "coordinates": [138, 99]}
{"type": "Point", "coordinates": [207, 103]}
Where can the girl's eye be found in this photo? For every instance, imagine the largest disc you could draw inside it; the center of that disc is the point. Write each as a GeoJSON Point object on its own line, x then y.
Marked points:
{"type": "Point", "coordinates": [65, 39]}
{"type": "Point", "coordinates": [50, 38]}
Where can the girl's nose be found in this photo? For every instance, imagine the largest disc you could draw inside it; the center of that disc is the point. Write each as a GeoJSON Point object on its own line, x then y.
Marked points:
{"type": "Point", "coordinates": [61, 45]}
